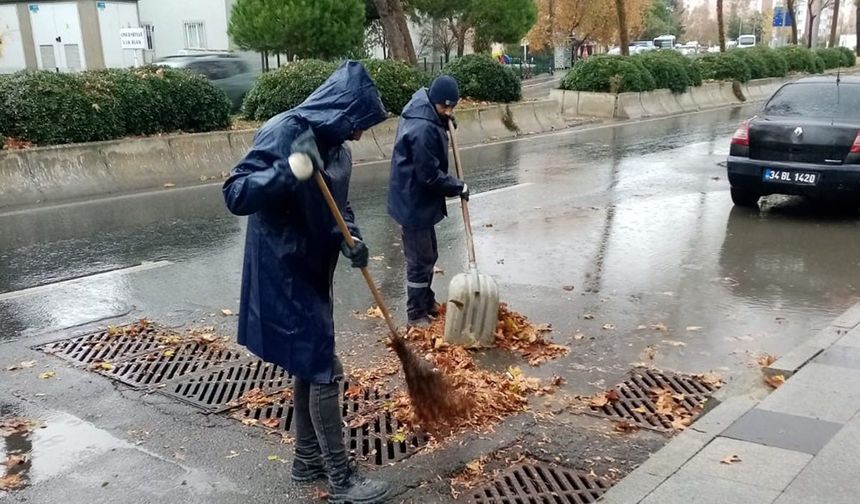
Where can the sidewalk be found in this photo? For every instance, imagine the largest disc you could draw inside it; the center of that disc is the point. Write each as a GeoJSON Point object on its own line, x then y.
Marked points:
{"type": "Point", "coordinates": [799, 444]}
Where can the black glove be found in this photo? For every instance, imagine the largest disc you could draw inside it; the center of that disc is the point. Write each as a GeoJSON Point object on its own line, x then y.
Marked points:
{"type": "Point", "coordinates": [306, 143]}
{"type": "Point", "coordinates": [464, 194]}
{"type": "Point", "coordinates": [359, 255]}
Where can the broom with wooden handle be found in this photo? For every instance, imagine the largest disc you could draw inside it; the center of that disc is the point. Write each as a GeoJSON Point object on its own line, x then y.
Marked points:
{"type": "Point", "coordinates": [429, 390]}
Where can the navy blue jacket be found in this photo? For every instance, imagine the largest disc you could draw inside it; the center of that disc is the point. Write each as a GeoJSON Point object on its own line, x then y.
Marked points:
{"type": "Point", "coordinates": [292, 243]}
{"type": "Point", "coordinates": [419, 179]}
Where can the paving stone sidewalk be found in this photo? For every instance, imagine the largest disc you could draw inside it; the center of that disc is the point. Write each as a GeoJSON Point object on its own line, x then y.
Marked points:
{"type": "Point", "coordinates": [799, 444]}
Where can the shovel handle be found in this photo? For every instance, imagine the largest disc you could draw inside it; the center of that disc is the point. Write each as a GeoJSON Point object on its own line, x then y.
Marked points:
{"type": "Point", "coordinates": [470, 241]}
{"type": "Point", "coordinates": [347, 236]}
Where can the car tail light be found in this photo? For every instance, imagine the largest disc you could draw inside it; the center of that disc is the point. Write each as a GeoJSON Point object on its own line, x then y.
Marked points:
{"type": "Point", "coordinates": [742, 135]}
{"type": "Point", "coordinates": [855, 149]}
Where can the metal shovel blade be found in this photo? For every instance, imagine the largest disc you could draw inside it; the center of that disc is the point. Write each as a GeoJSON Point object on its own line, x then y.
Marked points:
{"type": "Point", "coordinates": [473, 310]}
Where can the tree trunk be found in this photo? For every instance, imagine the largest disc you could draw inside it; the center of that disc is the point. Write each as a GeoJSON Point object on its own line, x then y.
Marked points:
{"type": "Point", "coordinates": [396, 30]}
{"type": "Point", "coordinates": [857, 31]}
{"type": "Point", "coordinates": [792, 11]}
{"type": "Point", "coordinates": [810, 22]}
{"type": "Point", "coordinates": [623, 34]}
{"type": "Point", "coordinates": [460, 29]}
{"type": "Point", "coordinates": [834, 26]}
{"type": "Point", "coordinates": [721, 25]}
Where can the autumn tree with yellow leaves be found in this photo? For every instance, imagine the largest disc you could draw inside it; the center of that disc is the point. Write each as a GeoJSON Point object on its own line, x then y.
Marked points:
{"type": "Point", "coordinates": [596, 20]}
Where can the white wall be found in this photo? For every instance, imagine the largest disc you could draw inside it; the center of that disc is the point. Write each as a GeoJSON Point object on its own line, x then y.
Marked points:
{"type": "Point", "coordinates": [169, 16]}
{"type": "Point", "coordinates": [114, 16]}
{"type": "Point", "coordinates": [54, 20]}
{"type": "Point", "coordinates": [11, 45]}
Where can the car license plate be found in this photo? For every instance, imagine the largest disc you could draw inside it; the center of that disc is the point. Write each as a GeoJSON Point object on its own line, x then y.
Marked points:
{"type": "Point", "coordinates": [790, 177]}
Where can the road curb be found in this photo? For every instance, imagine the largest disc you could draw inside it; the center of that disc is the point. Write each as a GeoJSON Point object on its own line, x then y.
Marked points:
{"type": "Point", "coordinates": [671, 458]}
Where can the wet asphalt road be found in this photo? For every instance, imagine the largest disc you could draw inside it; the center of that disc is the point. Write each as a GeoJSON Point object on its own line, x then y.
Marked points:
{"type": "Point", "coordinates": [636, 217]}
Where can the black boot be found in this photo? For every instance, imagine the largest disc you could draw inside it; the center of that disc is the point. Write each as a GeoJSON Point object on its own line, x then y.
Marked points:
{"type": "Point", "coordinates": [307, 472]}
{"type": "Point", "coordinates": [347, 486]}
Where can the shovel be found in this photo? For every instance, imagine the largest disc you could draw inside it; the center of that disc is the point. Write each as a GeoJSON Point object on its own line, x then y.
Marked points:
{"type": "Point", "coordinates": [429, 391]}
{"type": "Point", "coordinates": [473, 299]}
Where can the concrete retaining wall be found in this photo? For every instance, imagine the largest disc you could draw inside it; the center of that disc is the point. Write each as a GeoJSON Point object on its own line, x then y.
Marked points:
{"type": "Point", "coordinates": [53, 174]}
{"type": "Point", "coordinates": [661, 102]}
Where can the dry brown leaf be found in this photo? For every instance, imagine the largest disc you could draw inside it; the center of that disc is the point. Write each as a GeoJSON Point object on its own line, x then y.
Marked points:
{"type": "Point", "coordinates": [775, 381]}
{"type": "Point", "coordinates": [608, 327]}
{"type": "Point", "coordinates": [598, 400]}
{"type": "Point", "coordinates": [227, 312]}
{"type": "Point", "coordinates": [659, 327]}
{"type": "Point", "coordinates": [438, 271]}
{"type": "Point", "coordinates": [765, 360]}
{"type": "Point", "coordinates": [612, 395]}
{"type": "Point", "coordinates": [694, 328]}
{"type": "Point", "coordinates": [650, 352]}
{"type": "Point", "coordinates": [47, 375]}
{"type": "Point", "coordinates": [713, 379]}
{"type": "Point", "coordinates": [568, 288]}
{"type": "Point", "coordinates": [578, 336]}
{"type": "Point", "coordinates": [272, 423]}
{"type": "Point", "coordinates": [682, 423]}
{"type": "Point", "coordinates": [375, 312]}
{"type": "Point", "coordinates": [354, 392]}
{"type": "Point", "coordinates": [731, 459]}
{"type": "Point", "coordinates": [169, 185]}
{"type": "Point", "coordinates": [674, 343]}
{"type": "Point", "coordinates": [14, 461]}
{"type": "Point", "coordinates": [641, 410]}
{"type": "Point", "coordinates": [625, 426]}
{"type": "Point", "coordinates": [250, 422]}
{"type": "Point", "coordinates": [320, 494]}
{"type": "Point", "coordinates": [11, 482]}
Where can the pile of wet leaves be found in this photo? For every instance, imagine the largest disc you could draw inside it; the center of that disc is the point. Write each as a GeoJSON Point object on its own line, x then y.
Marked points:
{"type": "Point", "coordinates": [487, 397]}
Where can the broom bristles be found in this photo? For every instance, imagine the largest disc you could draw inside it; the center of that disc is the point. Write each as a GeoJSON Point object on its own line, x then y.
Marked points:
{"type": "Point", "coordinates": [433, 398]}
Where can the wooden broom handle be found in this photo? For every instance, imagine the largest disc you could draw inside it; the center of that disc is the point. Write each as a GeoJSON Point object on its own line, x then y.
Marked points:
{"type": "Point", "coordinates": [470, 241]}
{"type": "Point", "coordinates": [347, 236]}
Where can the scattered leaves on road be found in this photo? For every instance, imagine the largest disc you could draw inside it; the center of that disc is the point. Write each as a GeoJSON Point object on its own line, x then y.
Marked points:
{"type": "Point", "coordinates": [254, 399]}
{"type": "Point", "coordinates": [272, 458]}
{"type": "Point", "coordinates": [625, 427]}
{"type": "Point", "coordinates": [47, 375]}
{"type": "Point", "coordinates": [169, 185]}
{"type": "Point", "coordinates": [17, 426]}
{"type": "Point", "coordinates": [13, 461]}
{"type": "Point", "coordinates": [694, 328]}
{"type": "Point", "coordinates": [22, 365]}
{"type": "Point", "coordinates": [731, 459]}
{"type": "Point", "coordinates": [715, 380]}
{"type": "Point", "coordinates": [319, 494]}
{"type": "Point", "coordinates": [674, 343]}
{"type": "Point", "coordinates": [568, 288]}
{"type": "Point", "coordinates": [608, 327]}
{"type": "Point", "coordinates": [659, 327]}
{"type": "Point", "coordinates": [775, 381]}
{"type": "Point", "coordinates": [375, 312]}
{"type": "Point", "coordinates": [649, 353]}
{"type": "Point", "coordinates": [354, 391]}
{"type": "Point", "coordinates": [765, 360]}
{"type": "Point", "coordinates": [438, 271]}
{"type": "Point", "coordinates": [227, 312]}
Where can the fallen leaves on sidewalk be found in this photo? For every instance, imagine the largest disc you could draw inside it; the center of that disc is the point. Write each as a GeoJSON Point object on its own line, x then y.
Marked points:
{"type": "Point", "coordinates": [714, 380]}
{"type": "Point", "coordinates": [731, 459]}
{"type": "Point", "coordinates": [625, 427]}
{"type": "Point", "coordinates": [47, 375]}
{"type": "Point", "coordinates": [17, 426]}
{"type": "Point", "coordinates": [14, 461]}
{"type": "Point", "coordinates": [775, 381]}
{"type": "Point", "coordinates": [603, 398]}
{"type": "Point", "coordinates": [375, 312]}
{"type": "Point", "coordinates": [253, 399]}
{"type": "Point", "coordinates": [514, 332]}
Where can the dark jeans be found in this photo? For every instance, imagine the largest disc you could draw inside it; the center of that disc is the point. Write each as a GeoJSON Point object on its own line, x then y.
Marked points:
{"type": "Point", "coordinates": [422, 252]}
{"type": "Point", "coordinates": [319, 422]}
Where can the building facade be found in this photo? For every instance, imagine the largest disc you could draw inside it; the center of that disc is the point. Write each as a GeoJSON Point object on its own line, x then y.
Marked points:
{"type": "Point", "coordinates": [65, 36]}
{"type": "Point", "coordinates": [174, 26]}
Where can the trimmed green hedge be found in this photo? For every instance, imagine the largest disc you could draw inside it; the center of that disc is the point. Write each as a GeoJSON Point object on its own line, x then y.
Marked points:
{"type": "Point", "coordinates": [397, 82]}
{"type": "Point", "coordinates": [755, 60]}
{"type": "Point", "coordinates": [669, 68]}
{"type": "Point", "coordinates": [849, 59]}
{"type": "Point", "coordinates": [775, 63]}
{"type": "Point", "coordinates": [48, 108]}
{"type": "Point", "coordinates": [483, 78]}
{"type": "Point", "coordinates": [284, 88]}
{"type": "Point", "coordinates": [602, 74]}
{"type": "Point", "coordinates": [723, 66]}
{"type": "Point", "coordinates": [799, 58]}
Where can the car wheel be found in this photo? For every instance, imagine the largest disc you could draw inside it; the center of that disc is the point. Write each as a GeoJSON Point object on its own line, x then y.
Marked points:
{"type": "Point", "coordinates": [745, 198]}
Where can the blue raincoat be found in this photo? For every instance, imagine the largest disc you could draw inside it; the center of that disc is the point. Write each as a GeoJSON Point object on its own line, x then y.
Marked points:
{"type": "Point", "coordinates": [292, 242]}
{"type": "Point", "coordinates": [419, 179]}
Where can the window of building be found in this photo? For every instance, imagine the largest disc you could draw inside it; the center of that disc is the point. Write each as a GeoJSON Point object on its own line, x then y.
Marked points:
{"type": "Point", "coordinates": [73, 56]}
{"type": "Point", "coordinates": [49, 60]}
{"type": "Point", "coordinates": [195, 35]}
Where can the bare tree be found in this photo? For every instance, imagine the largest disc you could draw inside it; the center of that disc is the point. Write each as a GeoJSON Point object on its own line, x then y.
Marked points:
{"type": "Point", "coordinates": [792, 12]}
{"type": "Point", "coordinates": [834, 25]}
{"type": "Point", "coordinates": [396, 30]}
{"type": "Point", "coordinates": [623, 34]}
{"type": "Point", "coordinates": [721, 25]}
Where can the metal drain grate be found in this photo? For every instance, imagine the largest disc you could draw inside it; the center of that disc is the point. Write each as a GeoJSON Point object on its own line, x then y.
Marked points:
{"type": "Point", "coordinates": [634, 395]}
{"type": "Point", "coordinates": [376, 439]}
{"type": "Point", "coordinates": [215, 389]}
{"type": "Point", "coordinates": [540, 483]}
{"type": "Point", "coordinates": [168, 363]}
{"type": "Point", "coordinates": [105, 346]}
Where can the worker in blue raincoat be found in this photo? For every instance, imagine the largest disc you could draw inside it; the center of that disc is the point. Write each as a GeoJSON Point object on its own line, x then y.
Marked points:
{"type": "Point", "coordinates": [418, 186]}
{"type": "Point", "coordinates": [291, 250]}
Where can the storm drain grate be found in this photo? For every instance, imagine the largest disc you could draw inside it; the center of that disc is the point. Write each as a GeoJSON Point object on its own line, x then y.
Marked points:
{"type": "Point", "coordinates": [215, 390]}
{"type": "Point", "coordinates": [109, 345]}
{"type": "Point", "coordinates": [169, 362]}
{"type": "Point", "coordinates": [540, 483]}
{"type": "Point", "coordinates": [371, 432]}
{"type": "Point", "coordinates": [636, 402]}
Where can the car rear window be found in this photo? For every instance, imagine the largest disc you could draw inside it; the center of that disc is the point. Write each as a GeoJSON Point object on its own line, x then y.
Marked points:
{"type": "Point", "coordinates": [818, 100]}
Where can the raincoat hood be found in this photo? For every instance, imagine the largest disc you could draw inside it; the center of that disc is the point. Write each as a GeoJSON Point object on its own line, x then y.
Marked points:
{"type": "Point", "coordinates": [347, 101]}
{"type": "Point", "coordinates": [420, 107]}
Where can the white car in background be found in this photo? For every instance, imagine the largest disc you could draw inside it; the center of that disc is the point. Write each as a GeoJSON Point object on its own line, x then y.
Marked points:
{"type": "Point", "coordinates": [746, 41]}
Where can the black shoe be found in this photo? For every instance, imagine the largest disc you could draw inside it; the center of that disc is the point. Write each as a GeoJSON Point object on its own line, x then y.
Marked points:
{"type": "Point", "coordinates": [304, 472]}
{"type": "Point", "coordinates": [347, 486]}
{"type": "Point", "coordinates": [421, 322]}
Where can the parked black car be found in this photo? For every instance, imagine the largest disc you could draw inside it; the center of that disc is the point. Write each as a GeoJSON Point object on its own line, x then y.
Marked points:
{"type": "Point", "coordinates": [805, 142]}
